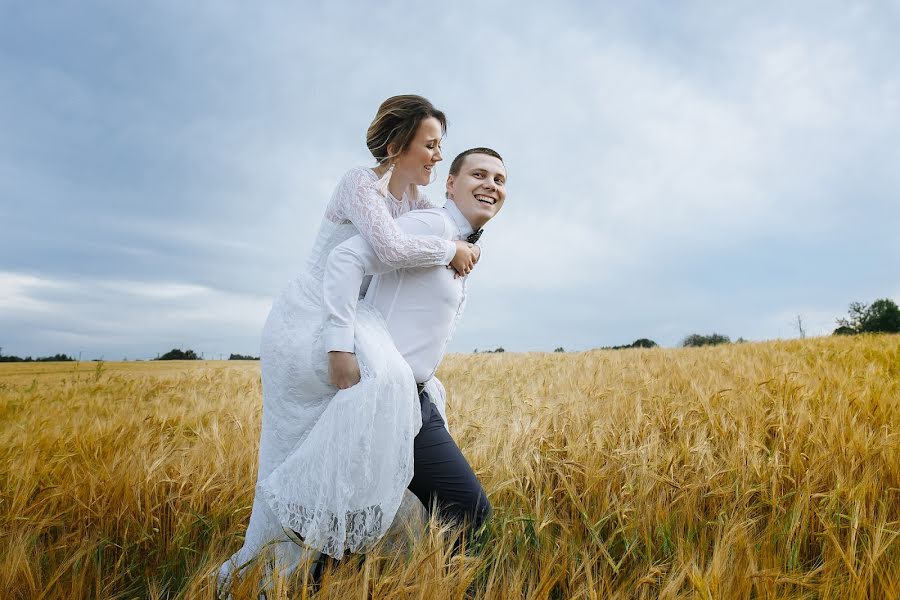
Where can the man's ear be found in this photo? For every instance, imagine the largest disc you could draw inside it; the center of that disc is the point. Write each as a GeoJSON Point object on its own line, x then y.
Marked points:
{"type": "Point", "coordinates": [449, 185]}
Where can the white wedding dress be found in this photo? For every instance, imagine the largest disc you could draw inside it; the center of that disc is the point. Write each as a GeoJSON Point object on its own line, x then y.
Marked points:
{"type": "Point", "coordinates": [334, 465]}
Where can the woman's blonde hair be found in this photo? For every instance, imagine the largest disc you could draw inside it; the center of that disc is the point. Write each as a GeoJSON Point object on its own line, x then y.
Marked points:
{"type": "Point", "coordinates": [396, 123]}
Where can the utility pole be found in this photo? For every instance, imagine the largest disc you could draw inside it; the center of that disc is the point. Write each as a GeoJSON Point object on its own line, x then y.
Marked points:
{"type": "Point", "coordinates": [800, 327]}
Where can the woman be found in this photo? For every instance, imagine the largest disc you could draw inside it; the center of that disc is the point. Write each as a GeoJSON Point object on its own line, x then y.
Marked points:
{"type": "Point", "coordinates": [355, 443]}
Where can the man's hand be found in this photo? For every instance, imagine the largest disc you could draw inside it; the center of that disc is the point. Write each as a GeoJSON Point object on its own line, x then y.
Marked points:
{"type": "Point", "coordinates": [343, 369]}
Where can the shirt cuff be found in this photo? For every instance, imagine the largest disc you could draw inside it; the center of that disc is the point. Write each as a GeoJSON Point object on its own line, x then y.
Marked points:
{"type": "Point", "coordinates": [451, 252]}
{"type": "Point", "coordinates": [339, 339]}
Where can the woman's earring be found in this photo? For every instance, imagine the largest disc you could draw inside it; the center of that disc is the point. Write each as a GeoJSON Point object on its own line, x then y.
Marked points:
{"type": "Point", "coordinates": [382, 184]}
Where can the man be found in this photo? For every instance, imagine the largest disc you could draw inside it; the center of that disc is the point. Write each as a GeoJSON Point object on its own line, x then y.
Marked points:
{"type": "Point", "coordinates": [421, 307]}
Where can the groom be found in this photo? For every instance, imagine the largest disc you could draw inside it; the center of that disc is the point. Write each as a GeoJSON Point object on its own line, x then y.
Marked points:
{"type": "Point", "coordinates": [421, 307]}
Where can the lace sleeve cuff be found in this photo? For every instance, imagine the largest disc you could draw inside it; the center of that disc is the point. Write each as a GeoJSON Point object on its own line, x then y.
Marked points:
{"type": "Point", "coordinates": [450, 253]}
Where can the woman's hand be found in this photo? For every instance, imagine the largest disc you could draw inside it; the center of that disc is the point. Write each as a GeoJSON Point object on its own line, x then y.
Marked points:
{"type": "Point", "coordinates": [465, 258]}
{"type": "Point", "coordinates": [343, 369]}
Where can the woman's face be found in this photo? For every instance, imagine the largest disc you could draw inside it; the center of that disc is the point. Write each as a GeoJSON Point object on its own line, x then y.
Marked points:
{"type": "Point", "coordinates": [417, 162]}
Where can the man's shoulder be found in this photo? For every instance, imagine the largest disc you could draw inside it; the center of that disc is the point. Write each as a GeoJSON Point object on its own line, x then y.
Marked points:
{"type": "Point", "coordinates": [435, 219]}
{"type": "Point", "coordinates": [435, 211]}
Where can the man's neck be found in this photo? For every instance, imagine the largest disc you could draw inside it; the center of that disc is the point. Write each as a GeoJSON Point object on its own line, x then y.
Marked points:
{"type": "Point", "coordinates": [472, 226]}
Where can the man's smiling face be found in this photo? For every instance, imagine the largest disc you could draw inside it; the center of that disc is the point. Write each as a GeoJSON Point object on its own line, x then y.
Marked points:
{"type": "Point", "coordinates": [479, 189]}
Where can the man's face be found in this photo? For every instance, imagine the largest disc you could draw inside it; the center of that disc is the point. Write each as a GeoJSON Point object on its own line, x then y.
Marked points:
{"type": "Point", "coordinates": [479, 189]}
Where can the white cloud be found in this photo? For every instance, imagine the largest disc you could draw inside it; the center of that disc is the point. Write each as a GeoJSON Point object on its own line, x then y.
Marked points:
{"type": "Point", "coordinates": [155, 291]}
{"type": "Point", "coordinates": [16, 291]}
{"type": "Point", "coordinates": [139, 316]}
{"type": "Point", "coordinates": [661, 165]}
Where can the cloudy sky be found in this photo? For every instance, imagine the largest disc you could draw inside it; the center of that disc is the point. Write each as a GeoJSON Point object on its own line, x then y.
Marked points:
{"type": "Point", "coordinates": [674, 168]}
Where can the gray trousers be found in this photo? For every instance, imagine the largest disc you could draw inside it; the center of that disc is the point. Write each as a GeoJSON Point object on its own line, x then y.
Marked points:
{"type": "Point", "coordinates": [442, 478]}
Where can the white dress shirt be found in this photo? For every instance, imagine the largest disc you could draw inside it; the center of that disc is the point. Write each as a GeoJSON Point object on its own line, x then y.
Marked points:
{"type": "Point", "coordinates": [421, 305]}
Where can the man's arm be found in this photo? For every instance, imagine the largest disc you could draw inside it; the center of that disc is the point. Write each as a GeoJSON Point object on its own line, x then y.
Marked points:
{"type": "Point", "coordinates": [347, 265]}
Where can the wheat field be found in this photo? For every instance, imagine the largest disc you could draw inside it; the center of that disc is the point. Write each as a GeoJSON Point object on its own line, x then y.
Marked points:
{"type": "Point", "coordinates": [760, 470]}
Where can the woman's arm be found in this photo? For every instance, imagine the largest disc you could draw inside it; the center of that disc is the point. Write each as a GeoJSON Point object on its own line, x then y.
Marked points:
{"type": "Point", "coordinates": [461, 263]}
{"type": "Point", "coordinates": [365, 207]}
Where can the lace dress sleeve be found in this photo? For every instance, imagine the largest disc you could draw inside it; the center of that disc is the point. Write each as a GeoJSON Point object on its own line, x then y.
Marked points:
{"type": "Point", "coordinates": [359, 202]}
{"type": "Point", "coordinates": [421, 201]}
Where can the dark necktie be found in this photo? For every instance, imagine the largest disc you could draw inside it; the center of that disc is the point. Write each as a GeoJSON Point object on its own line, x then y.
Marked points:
{"type": "Point", "coordinates": [473, 237]}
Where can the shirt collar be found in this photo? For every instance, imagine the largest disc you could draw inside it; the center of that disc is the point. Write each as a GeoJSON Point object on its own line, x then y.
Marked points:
{"type": "Point", "coordinates": [465, 228]}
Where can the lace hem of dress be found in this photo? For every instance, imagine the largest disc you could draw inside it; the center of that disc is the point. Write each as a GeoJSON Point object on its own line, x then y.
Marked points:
{"type": "Point", "coordinates": [325, 531]}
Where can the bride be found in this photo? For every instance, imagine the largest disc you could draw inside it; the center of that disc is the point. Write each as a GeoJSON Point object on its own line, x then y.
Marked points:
{"type": "Point", "coordinates": [354, 442]}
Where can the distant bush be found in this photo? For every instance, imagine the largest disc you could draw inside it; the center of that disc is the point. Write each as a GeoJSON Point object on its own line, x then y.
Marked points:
{"type": "Point", "coordinates": [176, 354]}
{"type": "Point", "coordinates": [55, 358]}
{"type": "Point", "coordinates": [696, 340]}
{"type": "Point", "coordinates": [644, 343]}
{"type": "Point", "coordinates": [560, 349]}
{"type": "Point", "coordinates": [640, 343]}
{"type": "Point", "coordinates": [242, 357]}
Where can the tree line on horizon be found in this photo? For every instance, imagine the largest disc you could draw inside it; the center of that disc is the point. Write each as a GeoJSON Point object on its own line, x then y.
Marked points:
{"type": "Point", "coordinates": [173, 354]}
{"type": "Point", "coordinates": [882, 316]}
{"type": "Point", "coordinates": [54, 358]}
{"type": "Point", "coordinates": [177, 354]}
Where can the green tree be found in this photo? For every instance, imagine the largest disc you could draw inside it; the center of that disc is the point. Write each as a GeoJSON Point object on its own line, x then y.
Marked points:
{"type": "Point", "coordinates": [55, 358]}
{"type": "Point", "coordinates": [695, 340]}
{"type": "Point", "coordinates": [882, 316]}
{"type": "Point", "coordinates": [176, 354]}
{"type": "Point", "coordinates": [644, 343]}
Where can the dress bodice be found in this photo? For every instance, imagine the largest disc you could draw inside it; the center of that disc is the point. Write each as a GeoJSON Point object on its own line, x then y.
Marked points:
{"type": "Point", "coordinates": [329, 236]}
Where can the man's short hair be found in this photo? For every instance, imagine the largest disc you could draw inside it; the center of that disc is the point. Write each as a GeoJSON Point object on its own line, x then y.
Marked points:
{"type": "Point", "coordinates": [457, 163]}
